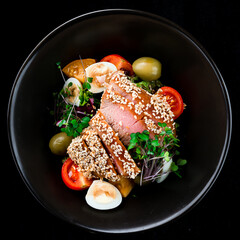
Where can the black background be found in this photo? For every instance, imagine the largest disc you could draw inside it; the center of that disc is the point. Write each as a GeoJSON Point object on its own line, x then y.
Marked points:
{"type": "Point", "coordinates": [215, 24]}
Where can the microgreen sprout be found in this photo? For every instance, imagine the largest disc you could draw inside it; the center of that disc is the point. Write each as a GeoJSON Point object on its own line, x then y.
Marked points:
{"type": "Point", "coordinates": [154, 154]}
{"type": "Point", "coordinates": [60, 68]}
{"type": "Point", "coordinates": [150, 86]}
{"type": "Point", "coordinates": [73, 119]}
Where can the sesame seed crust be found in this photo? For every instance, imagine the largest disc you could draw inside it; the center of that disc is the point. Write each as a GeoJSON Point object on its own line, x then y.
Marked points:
{"type": "Point", "coordinates": [90, 156]}
{"type": "Point", "coordinates": [103, 164]}
{"type": "Point", "coordinates": [145, 105]}
{"type": "Point", "coordinates": [161, 108]}
{"type": "Point", "coordinates": [156, 105]}
{"type": "Point", "coordinates": [121, 158]}
{"type": "Point", "coordinates": [150, 114]}
{"type": "Point", "coordinates": [80, 154]}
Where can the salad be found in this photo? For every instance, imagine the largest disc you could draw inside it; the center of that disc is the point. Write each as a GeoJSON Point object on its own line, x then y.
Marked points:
{"type": "Point", "coordinates": [116, 127]}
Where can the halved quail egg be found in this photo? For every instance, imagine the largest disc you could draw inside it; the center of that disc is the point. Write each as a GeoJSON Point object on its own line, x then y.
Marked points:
{"type": "Point", "coordinates": [103, 195]}
{"type": "Point", "coordinates": [72, 89]}
{"type": "Point", "coordinates": [98, 72]}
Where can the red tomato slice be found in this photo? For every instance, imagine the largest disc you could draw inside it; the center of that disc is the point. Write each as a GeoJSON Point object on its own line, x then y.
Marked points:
{"type": "Point", "coordinates": [72, 177]}
{"type": "Point", "coordinates": [174, 99]}
{"type": "Point", "coordinates": [120, 62]}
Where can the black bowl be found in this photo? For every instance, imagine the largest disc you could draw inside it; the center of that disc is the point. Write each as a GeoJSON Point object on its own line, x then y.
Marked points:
{"type": "Point", "coordinates": [205, 125]}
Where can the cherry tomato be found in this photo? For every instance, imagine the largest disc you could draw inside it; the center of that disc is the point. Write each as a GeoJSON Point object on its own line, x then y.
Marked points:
{"type": "Point", "coordinates": [174, 99]}
{"type": "Point", "coordinates": [72, 177]}
{"type": "Point", "coordinates": [120, 62]}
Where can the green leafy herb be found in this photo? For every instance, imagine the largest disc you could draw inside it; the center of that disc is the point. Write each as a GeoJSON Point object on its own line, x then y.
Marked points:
{"type": "Point", "coordinates": [70, 84]}
{"type": "Point", "coordinates": [75, 126]}
{"type": "Point", "coordinates": [58, 65]}
{"type": "Point", "coordinates": [89, 79]}
{"type": "Point", "coordinates": [181, 162]}
{"type": "Point", "coordinates": [86, 85]}
{"type": "Point", "coordinates": [71, 123]}
{"type": "Point", "coordinates": [153, 154]}
{"type": "Point", "coordinates": [85, 94]}
{"type": "Point", "coordinates": [150, 86]}
{"type": "Point", "coordinates": [174, 167]}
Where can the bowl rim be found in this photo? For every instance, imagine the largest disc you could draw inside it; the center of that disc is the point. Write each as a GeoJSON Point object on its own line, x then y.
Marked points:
{"type": "Point", "coordinates": [185, 34]}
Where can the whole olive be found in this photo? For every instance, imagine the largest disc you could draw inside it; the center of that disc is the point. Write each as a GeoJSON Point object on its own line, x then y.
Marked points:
{"type": "Point", "coordinates": [147, 68]}
{"type": "Point", "coordinates": [59, 143]}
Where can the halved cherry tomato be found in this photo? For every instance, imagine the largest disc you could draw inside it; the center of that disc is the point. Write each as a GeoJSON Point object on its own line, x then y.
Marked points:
{"type": "Point", "coordinates": [72, 177]}
{"type": "Point", "coordinates": [174, 99]}
{"type": "Point", "coordinates": [120, 62]}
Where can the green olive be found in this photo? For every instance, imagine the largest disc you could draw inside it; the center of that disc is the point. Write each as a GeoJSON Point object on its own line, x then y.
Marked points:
{"type": "Point", "coordinates": [147, 68]}
{"type": "Point", "coordinates": [59, 143]}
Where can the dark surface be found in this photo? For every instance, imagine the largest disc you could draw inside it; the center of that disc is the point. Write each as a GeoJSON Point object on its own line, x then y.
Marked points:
{"type": "Point", "coordinates": [214, 24]}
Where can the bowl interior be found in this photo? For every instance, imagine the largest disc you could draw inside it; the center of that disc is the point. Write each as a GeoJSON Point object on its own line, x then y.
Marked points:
{"type": "Point", "coordinates": [204, 126]}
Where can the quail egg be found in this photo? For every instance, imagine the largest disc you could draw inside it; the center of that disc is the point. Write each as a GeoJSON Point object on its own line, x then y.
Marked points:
{"type": "Point", "coordinates": [99, 72]}
{"type": "Point", "coordinates": [103, 195]}
{"type": "Point", "coordinates": [72, 89]}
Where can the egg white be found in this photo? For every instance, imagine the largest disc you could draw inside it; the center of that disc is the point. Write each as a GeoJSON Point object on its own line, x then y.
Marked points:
{"type": "Point", "coordinates": [96, 68]}
{"type": "Point", "coordinates": [76, 82]}
{"type": "Point", "coordinates": [102, 202]}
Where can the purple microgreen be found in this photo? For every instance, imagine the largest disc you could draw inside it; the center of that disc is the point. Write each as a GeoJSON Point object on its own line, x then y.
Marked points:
{"type": "Point", "coordinates": [153, 154]}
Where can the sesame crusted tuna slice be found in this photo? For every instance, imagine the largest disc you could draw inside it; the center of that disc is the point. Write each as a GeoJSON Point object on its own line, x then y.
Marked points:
{"type": "Point", "coordinates": [121, 84]}
{"type": "Point", "coordinates": [90, 156]}
{"type": "Point", "coordinates": [80, 154]}
{"type": "Point", "coordinates": [154, 107]}
{"type": "Point", "coordinates": [125, 117]}
{"type": "Point", "coordinates": [122, 160]}
{"type": "Point", "coordinates": [103, 165]}
{"type": "Point", "coordinates": [120, 114]}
